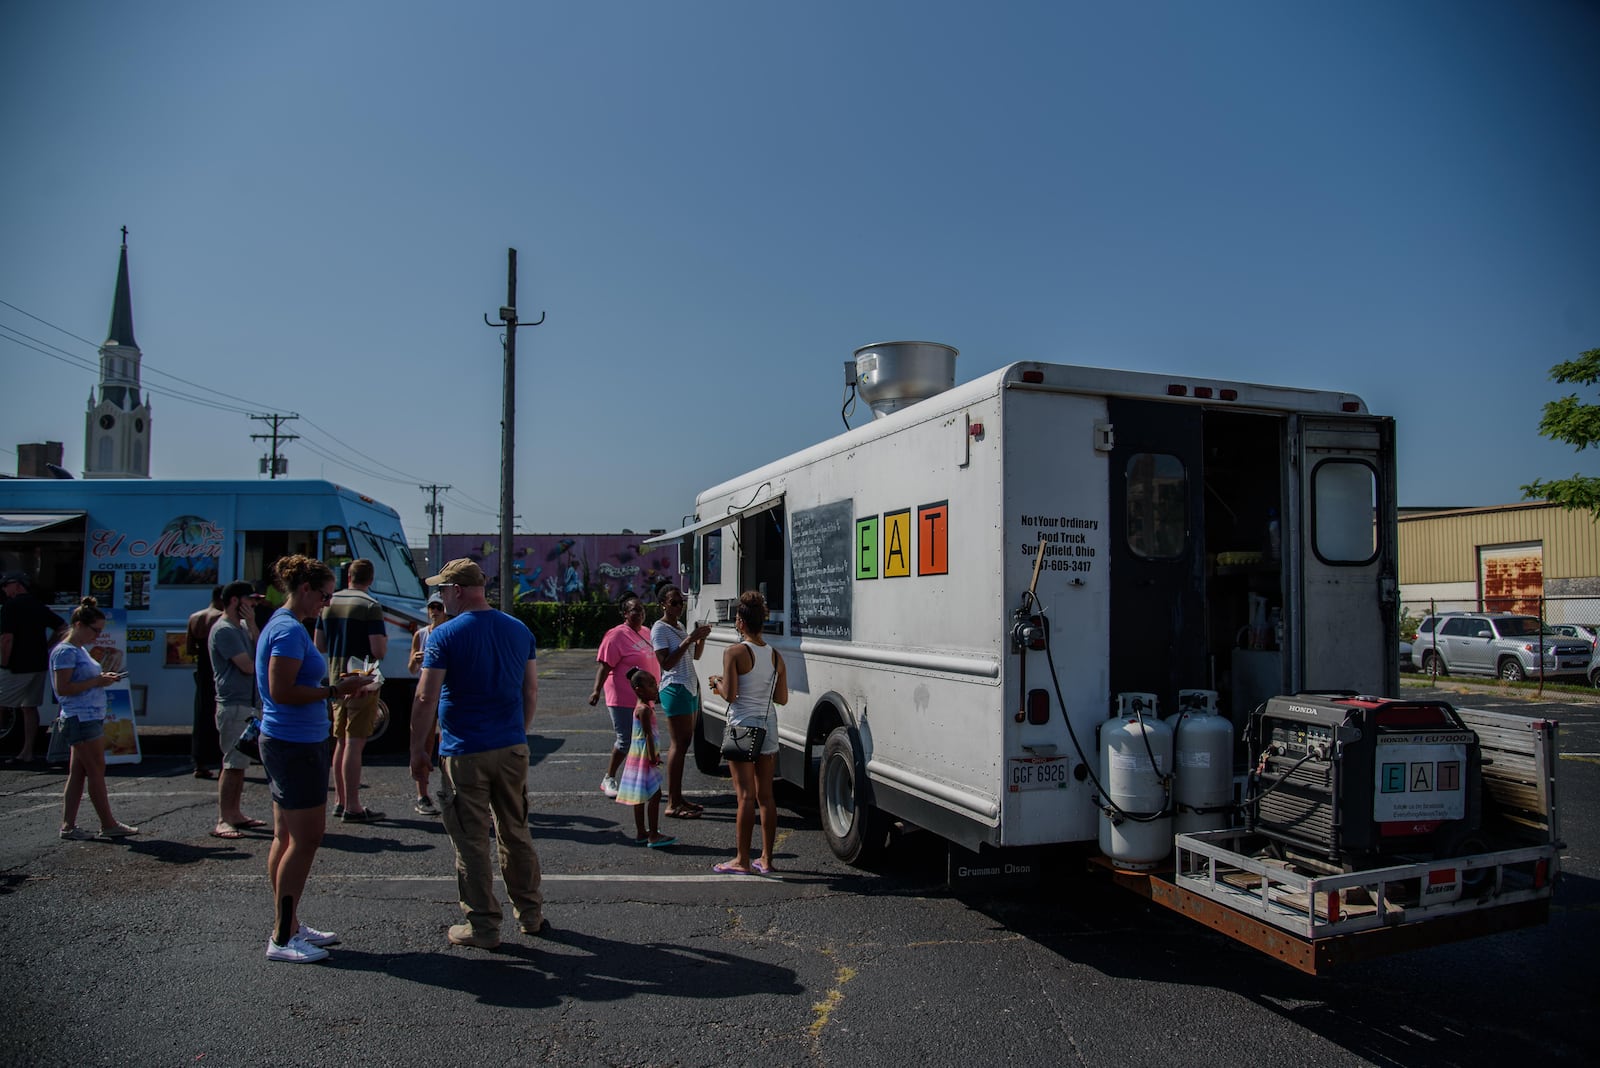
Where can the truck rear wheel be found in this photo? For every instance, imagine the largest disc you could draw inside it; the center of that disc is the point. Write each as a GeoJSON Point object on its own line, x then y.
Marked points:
{"type": "Point", "coordinates": [855, 830]}
{"type": "Point", "coordinates": [707, 753]}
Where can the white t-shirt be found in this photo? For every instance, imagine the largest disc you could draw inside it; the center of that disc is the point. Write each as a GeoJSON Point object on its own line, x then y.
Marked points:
{"type": "Point", "coordinates": [666, 637]}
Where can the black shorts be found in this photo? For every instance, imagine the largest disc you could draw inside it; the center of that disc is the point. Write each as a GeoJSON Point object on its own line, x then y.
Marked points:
{"type": "Point", "coordinates": [297, 772]}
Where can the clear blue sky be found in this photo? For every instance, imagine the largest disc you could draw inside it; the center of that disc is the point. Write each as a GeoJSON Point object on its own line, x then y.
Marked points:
{"type": "Point", "coordinates": [715, 203]}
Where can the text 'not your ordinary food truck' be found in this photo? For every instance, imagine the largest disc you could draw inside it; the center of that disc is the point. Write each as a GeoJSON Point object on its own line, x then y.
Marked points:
{"type": "Point", "coordinates": [150, 551]}
{"type": "Point", "coordinates": [1009, 608]}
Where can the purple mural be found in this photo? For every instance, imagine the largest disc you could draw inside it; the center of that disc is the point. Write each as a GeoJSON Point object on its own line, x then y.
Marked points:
{"type": "Point", "coordinates": [565, 567]}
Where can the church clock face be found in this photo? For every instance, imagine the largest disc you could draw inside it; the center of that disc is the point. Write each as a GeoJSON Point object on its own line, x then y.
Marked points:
{"type": "Point", "coordinates": [107, 422]}
{"type": "Point", "coordinates": [138, 426]}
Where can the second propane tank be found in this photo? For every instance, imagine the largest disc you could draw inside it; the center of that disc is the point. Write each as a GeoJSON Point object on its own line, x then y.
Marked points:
{"type": "Point", "coordinates": [1203, 750]}
{"type": "Point", "coordinates": [1135, 759]}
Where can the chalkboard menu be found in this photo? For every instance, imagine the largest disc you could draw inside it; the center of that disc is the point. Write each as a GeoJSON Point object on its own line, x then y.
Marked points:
{"type": "Point", "coordinates": [819, 539]}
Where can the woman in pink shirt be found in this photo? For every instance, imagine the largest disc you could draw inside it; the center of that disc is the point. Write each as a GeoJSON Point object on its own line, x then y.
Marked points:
{"type": "Point", "coordinates": [626, 645]}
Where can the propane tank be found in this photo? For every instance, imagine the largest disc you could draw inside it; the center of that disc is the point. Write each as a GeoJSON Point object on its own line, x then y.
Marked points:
{"type": "Point", "coordinates": [1202, 741]}
{"type": "Point", "coordinates": [1131, 782]}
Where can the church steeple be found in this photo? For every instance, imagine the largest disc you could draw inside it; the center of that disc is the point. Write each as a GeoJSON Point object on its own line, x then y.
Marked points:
{"type": "Point", "coordinates": [117, 432]}
{"type": "Point", "coordinates": [122, 305]}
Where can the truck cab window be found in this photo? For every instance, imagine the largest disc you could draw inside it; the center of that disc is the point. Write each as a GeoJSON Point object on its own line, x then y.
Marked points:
{"type": "Point", "coordinates": [393, 571]}
{"type": "Point", "coordinates": [1344, 501]}
{"type": "Point", "coordinates": [1158, 518]}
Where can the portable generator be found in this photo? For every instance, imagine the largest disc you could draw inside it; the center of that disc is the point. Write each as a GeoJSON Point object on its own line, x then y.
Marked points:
{"type": "Point", "coordinates": [1345, 777]}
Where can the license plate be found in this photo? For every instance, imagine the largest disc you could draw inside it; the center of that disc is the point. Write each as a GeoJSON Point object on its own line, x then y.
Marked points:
{"type": "Point", "coordinates": [1038, 773]}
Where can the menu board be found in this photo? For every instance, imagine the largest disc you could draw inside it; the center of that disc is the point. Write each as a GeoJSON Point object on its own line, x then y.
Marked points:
{"type": "Point", "coordinates": [819, 539]}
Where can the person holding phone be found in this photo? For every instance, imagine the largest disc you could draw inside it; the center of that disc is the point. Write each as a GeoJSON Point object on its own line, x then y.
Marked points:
{"type": "Point", "coordinates": [80, 687]}
{"type": "Point", "coordinates": [676, 650]}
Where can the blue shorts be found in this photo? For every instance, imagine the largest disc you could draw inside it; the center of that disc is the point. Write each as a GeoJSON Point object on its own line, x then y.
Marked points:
{"type": "Point", "coordinates": [297, 772]}
{"type": "Point", "coordinates": [677, 700]}
{"type": "Point", "coordinates": [83, 730]}
{"type": "Point", "coordinates": [622, 724]}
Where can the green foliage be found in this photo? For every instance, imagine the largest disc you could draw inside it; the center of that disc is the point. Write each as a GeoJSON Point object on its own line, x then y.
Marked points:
{"type": "Point", "coordinates": [1408, 627]}
{"type": "Point", "coordinates": [575, 624]}
{"type": "Point", "coordinates": [1578, 424]}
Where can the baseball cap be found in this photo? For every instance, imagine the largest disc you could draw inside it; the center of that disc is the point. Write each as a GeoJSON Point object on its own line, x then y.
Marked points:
{"type": "Point", "coordinates": [20, 577]}
{"type": "Point", "coordinates": [436, 598]}
{"type": "Point", "coordinates": [461, 572]}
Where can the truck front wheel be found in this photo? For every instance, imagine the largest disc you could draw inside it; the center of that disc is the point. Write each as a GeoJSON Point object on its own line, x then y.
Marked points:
{"type": "Point", "coordinates": [855, 830]}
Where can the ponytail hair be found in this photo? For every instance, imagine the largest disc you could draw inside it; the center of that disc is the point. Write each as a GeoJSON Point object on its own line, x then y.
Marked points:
{"type": "Point", "coordinates": [87, 613]}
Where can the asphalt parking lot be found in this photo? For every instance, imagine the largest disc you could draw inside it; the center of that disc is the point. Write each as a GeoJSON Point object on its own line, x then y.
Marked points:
{"type": "Point", "coordinates": [151, 952]}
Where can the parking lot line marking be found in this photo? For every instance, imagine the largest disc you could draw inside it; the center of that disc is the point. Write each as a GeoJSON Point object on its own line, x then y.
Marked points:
{"type": "Point", "coordinates": [598, 877]}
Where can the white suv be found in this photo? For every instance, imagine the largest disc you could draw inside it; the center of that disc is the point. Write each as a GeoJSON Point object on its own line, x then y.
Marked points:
{"type": "Point", "coordinates": [1496, 643]}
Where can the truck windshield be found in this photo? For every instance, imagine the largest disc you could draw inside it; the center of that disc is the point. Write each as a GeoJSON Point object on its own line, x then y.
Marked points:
{"type": "Point", "coordinates": [393, 571]}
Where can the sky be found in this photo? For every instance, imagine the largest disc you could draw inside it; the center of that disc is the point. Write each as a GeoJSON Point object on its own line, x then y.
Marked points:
{"type": "Point", "coordinates": [715, 203]}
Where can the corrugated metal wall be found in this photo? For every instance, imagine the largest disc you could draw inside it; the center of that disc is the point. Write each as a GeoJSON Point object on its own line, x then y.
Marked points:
{"type": "Point", "coordinates": [1443, 546]}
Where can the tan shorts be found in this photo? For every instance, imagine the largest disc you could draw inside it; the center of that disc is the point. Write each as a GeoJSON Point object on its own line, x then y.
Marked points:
{"type": "Point", "coordinates": [355, 717]}
{"type": "Point", "coordinates": [231, 719]}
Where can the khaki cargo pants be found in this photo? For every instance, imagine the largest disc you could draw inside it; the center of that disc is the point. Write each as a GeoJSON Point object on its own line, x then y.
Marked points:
{"type": "Point", "coordinates": [474, 786]}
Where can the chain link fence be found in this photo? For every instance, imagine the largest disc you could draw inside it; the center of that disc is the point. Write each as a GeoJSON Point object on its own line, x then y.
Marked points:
{"type": "Point", "coordinates": [1563, 620]}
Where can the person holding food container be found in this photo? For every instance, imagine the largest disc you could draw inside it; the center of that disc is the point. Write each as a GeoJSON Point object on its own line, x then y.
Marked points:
{"type": "Point", "coordinates": [753, 679]}
{"type": "Point", "coordinates": [80, 687]}
{"type": "Point", "coordinates": [294, 749]}
{"type": "Point", "coordinates": [677, 648]}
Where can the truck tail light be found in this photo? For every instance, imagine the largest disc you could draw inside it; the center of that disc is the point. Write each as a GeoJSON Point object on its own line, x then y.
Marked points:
{"type": "Point", "coordinates": [1038, 707]}
{"type": "Point", "coordinates": [1541, 874]}
{"type": "Point", "coordinates": [1333, 906]}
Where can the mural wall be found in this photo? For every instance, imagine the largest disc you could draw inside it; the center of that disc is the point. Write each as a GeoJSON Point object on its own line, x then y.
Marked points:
{"type": "Point", "coordinates": [566, 567]}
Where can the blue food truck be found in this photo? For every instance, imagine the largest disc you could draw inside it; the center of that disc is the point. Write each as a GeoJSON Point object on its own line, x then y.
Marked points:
{"type": "Point", "coordinates": [151, 550]}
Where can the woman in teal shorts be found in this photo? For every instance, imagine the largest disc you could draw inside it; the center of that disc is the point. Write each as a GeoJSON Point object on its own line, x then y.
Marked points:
{"type": "Point", "coordinates": [676, 650]}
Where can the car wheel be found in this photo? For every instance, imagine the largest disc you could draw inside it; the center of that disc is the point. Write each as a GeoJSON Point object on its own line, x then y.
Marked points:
{"type": "Point", "coordinates": [854, 828]}
{"type": "Point", "coordinates": [1433, 664]}
{"type": "Point", "coordinates": [1511, 670]}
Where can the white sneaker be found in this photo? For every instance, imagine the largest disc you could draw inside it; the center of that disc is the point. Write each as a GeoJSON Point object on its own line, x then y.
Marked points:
{"type": "Point", "coordinates": [313, 937]}
{"type": "Point", "coordinates": [298, 951]}
{"type": "Point", "coordinates": [608, 786]}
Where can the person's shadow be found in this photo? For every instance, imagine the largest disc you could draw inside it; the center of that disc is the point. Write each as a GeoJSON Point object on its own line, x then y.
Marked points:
{"type": "Point", "coordinates": [533, 973]}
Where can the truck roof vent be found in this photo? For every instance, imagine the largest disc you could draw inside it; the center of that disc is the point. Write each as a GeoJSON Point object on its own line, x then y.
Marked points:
{"type": "Point", "coordinates": [894, 374]}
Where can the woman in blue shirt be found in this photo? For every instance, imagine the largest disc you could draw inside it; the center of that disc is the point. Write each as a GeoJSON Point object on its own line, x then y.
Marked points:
{"type": "Point", "coordinates": [80, 686]}
{"type": "Point", "coordinates": [294, 748]}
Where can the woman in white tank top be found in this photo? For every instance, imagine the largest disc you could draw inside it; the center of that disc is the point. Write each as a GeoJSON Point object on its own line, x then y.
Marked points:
{"type": "Point", "coordinates": [752, 681]}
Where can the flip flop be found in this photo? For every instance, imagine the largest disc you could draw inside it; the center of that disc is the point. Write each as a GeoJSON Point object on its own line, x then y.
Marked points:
{"type": "Point", "coordinates": [662, 843]}
{"type": "Point", "coordinates": [685, 813]}
{"type": "Point", "coordinates": [728, 867]}
{"type": "Point", "coordinates": [249, 824]}
{"type": "Point", "coordinates": [759, 867]}
{"type": "Point", "coordinates": [230, 833]}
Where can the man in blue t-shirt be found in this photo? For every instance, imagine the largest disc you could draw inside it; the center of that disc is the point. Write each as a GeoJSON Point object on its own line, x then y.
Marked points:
{"type": "Point", "coordinates": [480, 680]}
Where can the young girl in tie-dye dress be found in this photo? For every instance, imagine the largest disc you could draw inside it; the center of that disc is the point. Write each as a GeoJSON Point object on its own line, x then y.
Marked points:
{"type": "Point", "coordinates": [640, 783]}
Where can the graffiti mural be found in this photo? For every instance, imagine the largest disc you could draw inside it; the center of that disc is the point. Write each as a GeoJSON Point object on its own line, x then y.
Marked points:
{"type": "Point", "coordinates": [565, 567]}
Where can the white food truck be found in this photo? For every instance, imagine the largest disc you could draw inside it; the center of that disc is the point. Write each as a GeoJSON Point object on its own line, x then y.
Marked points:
{"type": "Point", "coordinates": [963, 587]}
{"type": "Point", "coordinates": [151, 550]}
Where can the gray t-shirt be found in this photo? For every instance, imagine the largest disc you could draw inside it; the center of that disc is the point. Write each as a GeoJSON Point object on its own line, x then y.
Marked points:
{"type": "Point", "coordinates": [227, 640]}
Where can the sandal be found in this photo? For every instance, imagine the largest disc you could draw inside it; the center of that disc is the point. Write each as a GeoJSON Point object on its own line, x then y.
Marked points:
{"type": "Point", "coordinates": [685, 813]}
{"type": "Point", "coordinates": [728, 867]}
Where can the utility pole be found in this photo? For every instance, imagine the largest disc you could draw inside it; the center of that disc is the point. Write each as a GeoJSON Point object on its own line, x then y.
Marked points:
{"type": "Point", "coordinates": [508, 316]}
{"type": "Point", "coordinates": [279, 465]}
{"type": "Point", "coordinates": [434, 509]}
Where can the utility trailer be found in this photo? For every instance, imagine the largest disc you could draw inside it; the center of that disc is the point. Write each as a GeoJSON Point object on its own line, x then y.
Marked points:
{"type": "Point", "coordinates": [962, 588]}
{"type": "Point", "coordinates": [1231, 881]}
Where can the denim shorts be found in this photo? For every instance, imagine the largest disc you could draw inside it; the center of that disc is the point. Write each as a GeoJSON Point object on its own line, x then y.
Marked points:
{"type": "Point", "coordinates": [677, 700]}
{"type": "Point", "coordinates": [83, 730]}
{"type": "Point", "coordinates": [622, 724]}
{"type": "Point", "coordinates": [297, 772]}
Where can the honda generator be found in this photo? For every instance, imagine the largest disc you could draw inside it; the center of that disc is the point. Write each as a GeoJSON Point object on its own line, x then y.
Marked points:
{"type": "Point", "coordinates": [1345, 777]}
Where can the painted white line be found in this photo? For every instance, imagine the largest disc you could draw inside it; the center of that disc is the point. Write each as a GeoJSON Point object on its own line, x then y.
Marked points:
{"type": "Point", "coordinates": [615, 877]}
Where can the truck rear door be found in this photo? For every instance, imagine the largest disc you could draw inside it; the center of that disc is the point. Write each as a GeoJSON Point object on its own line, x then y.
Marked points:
{"type": "Point", "coordinates": [1158, 621]}
{"type": "Point", "coordinates": [1349, 625]}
